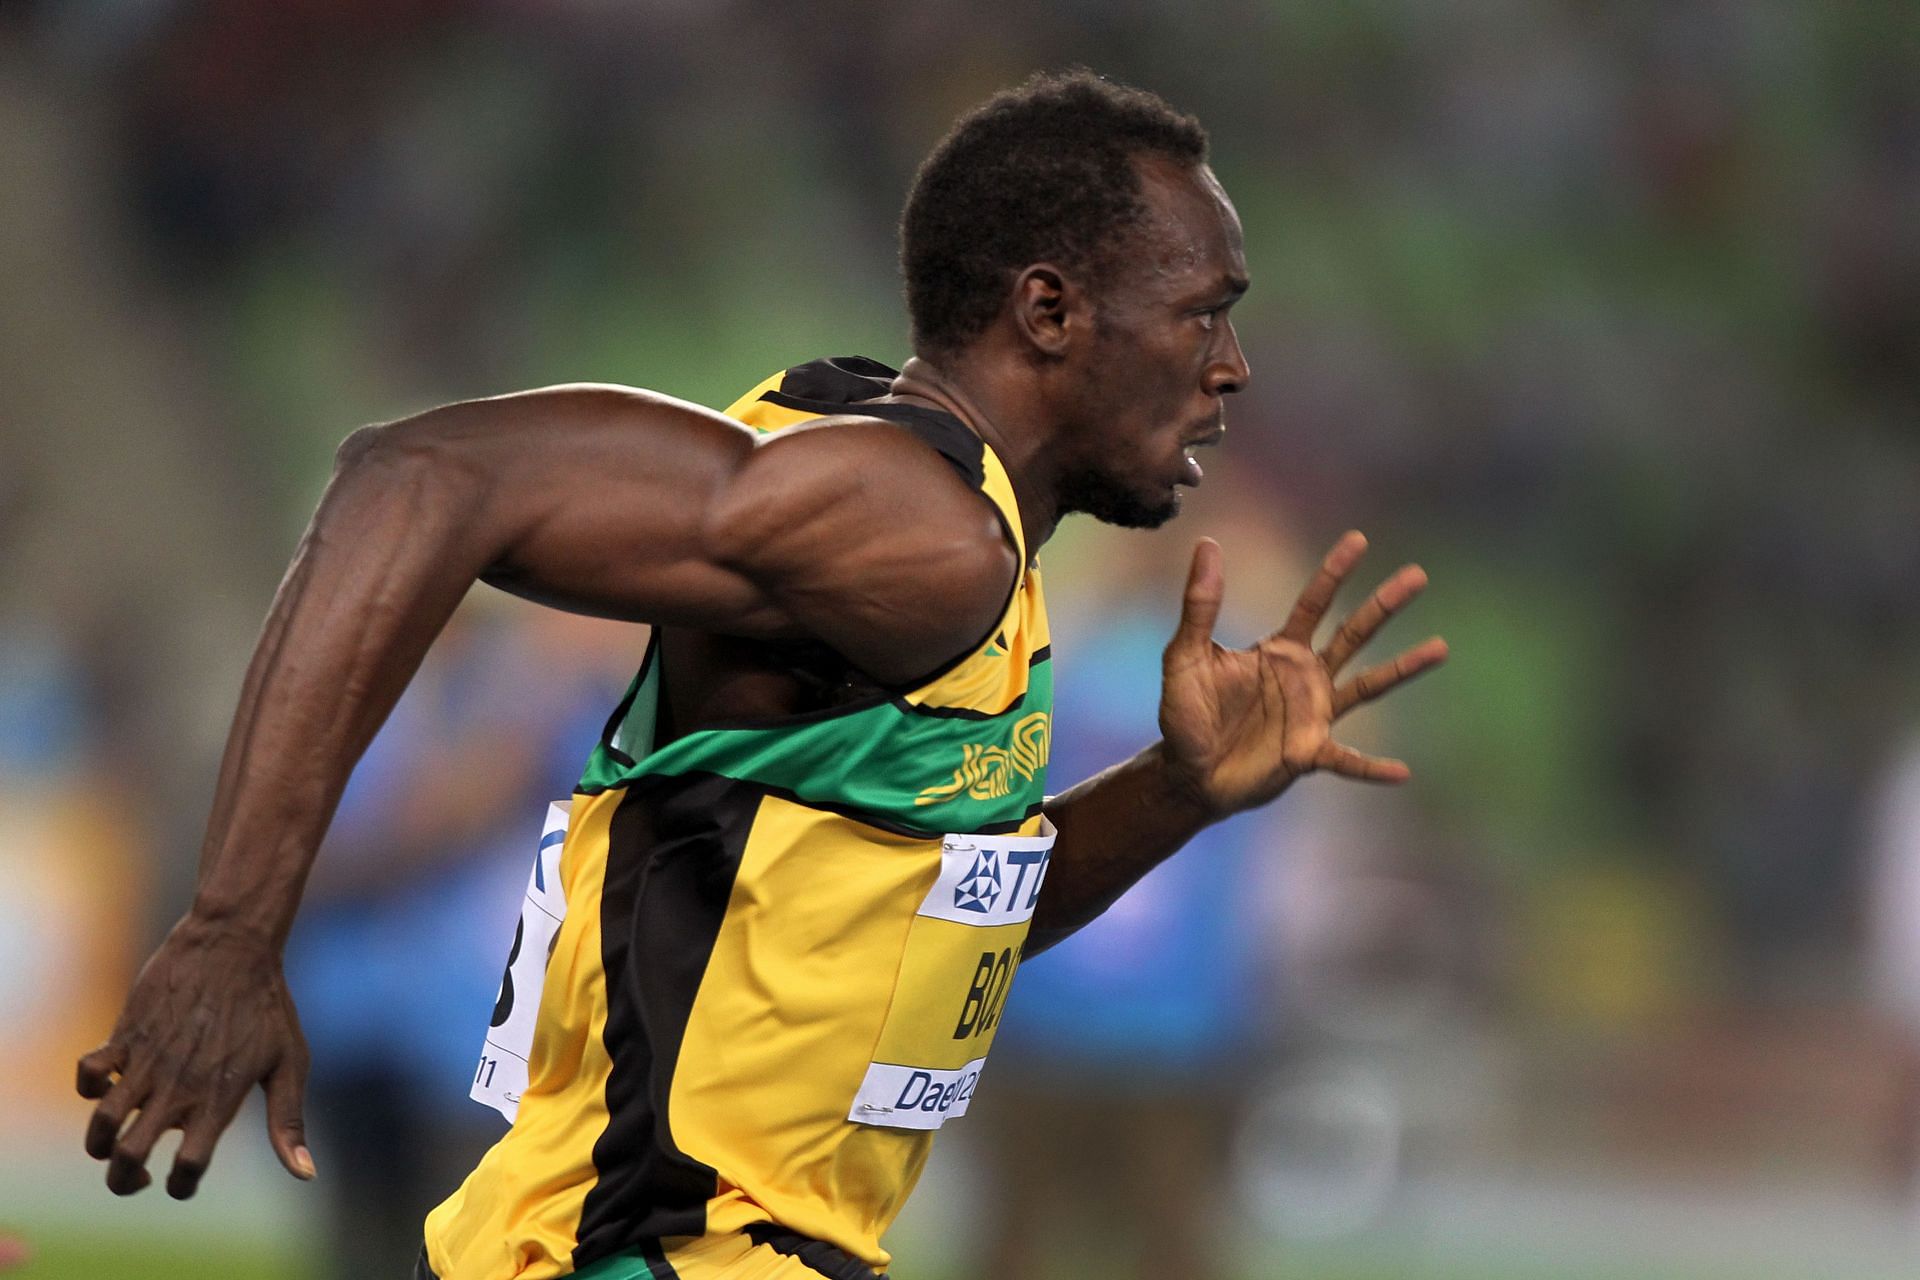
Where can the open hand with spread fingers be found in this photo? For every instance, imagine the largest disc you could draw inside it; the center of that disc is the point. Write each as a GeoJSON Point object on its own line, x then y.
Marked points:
{"type": "Point", "coordinates": [1241, 724]}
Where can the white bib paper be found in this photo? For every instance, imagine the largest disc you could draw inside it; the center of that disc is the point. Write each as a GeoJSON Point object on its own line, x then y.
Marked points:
{"type": "Point", "coordinates": [962, 950]}
{"type": "Point", "coordinates": [501, 1076]}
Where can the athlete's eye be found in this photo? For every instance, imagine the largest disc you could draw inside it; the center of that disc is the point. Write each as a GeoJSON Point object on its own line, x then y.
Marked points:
{"type": "Point", "coordinates": [1208, 316]}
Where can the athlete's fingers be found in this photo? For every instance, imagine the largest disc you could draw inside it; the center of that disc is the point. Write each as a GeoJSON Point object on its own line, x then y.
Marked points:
{"type": "Point", "coordinates": [1374, 681]}
{"type": "Point", "coordinates": [286, 1122]}
{"type": "Point", "coordinates": [1313, 602]}
{"type": "Point", "coordinates": [1200, 606]}
{"type": "Point", "coordinates": [202, 1130]}
{"type": "Point", "coordinates": [103, 1129]}
{"type": "Point", "coordinates": [95, 1073]}
{"type": "Point", "coordinates": [1348, 763]}
{"type": "Point", "coordinates": [1387, 599]}
{"type": "Point", "coordinates": [127, 1169]}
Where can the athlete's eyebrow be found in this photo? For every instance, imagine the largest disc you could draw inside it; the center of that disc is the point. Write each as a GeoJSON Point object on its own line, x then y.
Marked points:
{"type": "Point", "coordinates": [1223, 292]}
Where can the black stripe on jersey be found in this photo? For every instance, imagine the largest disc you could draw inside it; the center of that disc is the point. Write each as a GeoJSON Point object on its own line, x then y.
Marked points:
{"type": "Point", "coordinates": [656, 1259]}
{"type": "Point", "coordinates": [839, 379]}
{"type": "Point", "coordinates": [626, 704]}
{"type": "Point", "coordinates": [673, 851]}
{"type": "Point", "coordinates": [944, 433]}
{"type": "Point", "coordinates": [817, 1255]}
{"type": "Point", "coordinates": [1040, 655]}
{"type": "Point", "coordinates": [842, 385]}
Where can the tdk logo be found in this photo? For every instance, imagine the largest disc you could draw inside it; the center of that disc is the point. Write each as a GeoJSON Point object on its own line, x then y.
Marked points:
{"type": "Point", "coordinates": [988, 880]}
{"type": "Point", "coordinates": [980, 888]}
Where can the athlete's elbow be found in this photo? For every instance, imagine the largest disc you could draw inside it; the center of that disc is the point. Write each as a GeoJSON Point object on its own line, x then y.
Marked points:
{"type": "Point", "coordinates": [422, 454]}
{"type": "Point", "coordinates": [398, 485]}
{"type": "Point", "coordinates": [354, 448]}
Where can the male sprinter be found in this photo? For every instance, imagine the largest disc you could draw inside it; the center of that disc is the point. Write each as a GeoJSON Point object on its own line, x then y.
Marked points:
{"type": "Point", "coordinates": [805, 858]}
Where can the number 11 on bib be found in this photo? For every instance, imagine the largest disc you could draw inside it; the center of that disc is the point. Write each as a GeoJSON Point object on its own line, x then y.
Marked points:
{"type": "Point", "coordinates": [501, 1076]}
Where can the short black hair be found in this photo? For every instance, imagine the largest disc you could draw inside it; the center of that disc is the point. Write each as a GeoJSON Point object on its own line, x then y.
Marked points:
{"type": "Point", "coordinates": [1039, 173]}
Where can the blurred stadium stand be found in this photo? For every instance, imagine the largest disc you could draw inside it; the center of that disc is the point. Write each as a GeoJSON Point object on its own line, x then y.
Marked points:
{"type": "Point", "coordinates": [1610, 316]}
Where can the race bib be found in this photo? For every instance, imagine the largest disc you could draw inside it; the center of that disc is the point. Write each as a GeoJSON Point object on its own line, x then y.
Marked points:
{"type": "Point", "coordinates": [962, 950]}
{"type": "Point", "coordinates": [501, 1076]}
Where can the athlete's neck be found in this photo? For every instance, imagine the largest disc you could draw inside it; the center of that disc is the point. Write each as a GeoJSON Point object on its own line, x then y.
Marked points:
{"type": "Point", "coordinates": [974, 401]}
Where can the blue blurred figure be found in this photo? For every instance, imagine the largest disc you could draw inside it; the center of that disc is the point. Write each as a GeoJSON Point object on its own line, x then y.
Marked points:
{"type": "Point", "coordinates": [1115, 1065]}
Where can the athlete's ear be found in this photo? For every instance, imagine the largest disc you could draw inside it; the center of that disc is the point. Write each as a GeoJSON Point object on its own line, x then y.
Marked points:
{"type": "Point", "coordinates": [1046, 307]}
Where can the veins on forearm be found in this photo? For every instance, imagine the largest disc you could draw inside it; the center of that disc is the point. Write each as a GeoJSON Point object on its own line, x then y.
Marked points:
{"type": "Point", "coordinates": [350, 623]}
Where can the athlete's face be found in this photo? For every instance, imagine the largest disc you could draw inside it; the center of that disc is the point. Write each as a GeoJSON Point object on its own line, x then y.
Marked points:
{"type": "Point", "coordinates": [1163, 355]}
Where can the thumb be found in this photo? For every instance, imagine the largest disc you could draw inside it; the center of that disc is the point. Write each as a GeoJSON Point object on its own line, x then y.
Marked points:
{"type": "Point", "coordinates": [1200, 607]}
{"type": "Point", "coordinates": [286, 1125]}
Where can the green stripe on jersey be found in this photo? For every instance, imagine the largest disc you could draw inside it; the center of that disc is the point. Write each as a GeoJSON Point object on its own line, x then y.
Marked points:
{"type": "Point", "coordinates": [622, 1266]}
{"type": "Point", "coordinates": [909, 767]}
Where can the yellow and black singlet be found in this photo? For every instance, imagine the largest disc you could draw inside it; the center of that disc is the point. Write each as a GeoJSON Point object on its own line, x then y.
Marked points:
{"type": "Point", "coordinates": [785, 949]}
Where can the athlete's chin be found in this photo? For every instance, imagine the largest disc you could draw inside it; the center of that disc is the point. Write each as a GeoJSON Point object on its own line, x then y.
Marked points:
{"type": "Point", "coordinates": [1131, 511]}
{"type": "Point", "coordinates": [1111, 501]}
{"type": "Point", "coordinates": [1157, 514]}
{"type": "Point", "coordinates": [1144, 517]}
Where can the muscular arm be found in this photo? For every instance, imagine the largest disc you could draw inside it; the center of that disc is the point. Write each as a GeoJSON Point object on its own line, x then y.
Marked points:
{"type": "Point", "coordinates": [598, 499]}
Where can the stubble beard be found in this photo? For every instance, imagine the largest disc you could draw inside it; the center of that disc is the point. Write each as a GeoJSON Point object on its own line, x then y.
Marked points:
{"type": "Point", "coordinates": [1095, 491]}
{"type": "Point", "coordinates": [1106, 499]}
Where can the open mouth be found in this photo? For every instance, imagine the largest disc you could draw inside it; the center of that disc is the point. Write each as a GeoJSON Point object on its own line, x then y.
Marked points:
{"type": "Point", "coordinates": [1215, 432]}
{"type": "Point", "coordinates": [1191, 465]}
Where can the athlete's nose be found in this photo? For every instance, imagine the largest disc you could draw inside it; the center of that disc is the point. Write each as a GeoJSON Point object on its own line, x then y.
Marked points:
{"type": "Point", "coordinates": [1229, 373]}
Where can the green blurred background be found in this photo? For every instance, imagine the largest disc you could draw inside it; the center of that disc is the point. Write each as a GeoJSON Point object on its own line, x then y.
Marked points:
{"type": "Point", "coordinates": [1609, 316]}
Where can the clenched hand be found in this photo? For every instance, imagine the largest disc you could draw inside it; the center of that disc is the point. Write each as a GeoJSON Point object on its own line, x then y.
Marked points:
{"type": "Point", "coordinates": [209, 1017]}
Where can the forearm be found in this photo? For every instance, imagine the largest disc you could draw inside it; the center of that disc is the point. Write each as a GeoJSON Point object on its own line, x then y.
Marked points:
{"type": "Point", "coordinates": [1113, 828]}
{"type": "Point", "coordinates": [389, 554]}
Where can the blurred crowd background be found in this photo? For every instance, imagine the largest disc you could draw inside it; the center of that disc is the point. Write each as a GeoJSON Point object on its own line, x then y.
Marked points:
{"type": "Point", "coordinates": [1608, 315]}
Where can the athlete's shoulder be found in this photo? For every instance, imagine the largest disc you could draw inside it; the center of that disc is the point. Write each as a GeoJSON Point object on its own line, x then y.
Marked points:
{"type": "Point", "coordinates": [828, 420]}
{"type": "Point", "coordinates": [863, 481]}
{"type": "Point", "coordinates": [843, 391]}
{"type": "Point", "coordinates": [882, 503]}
